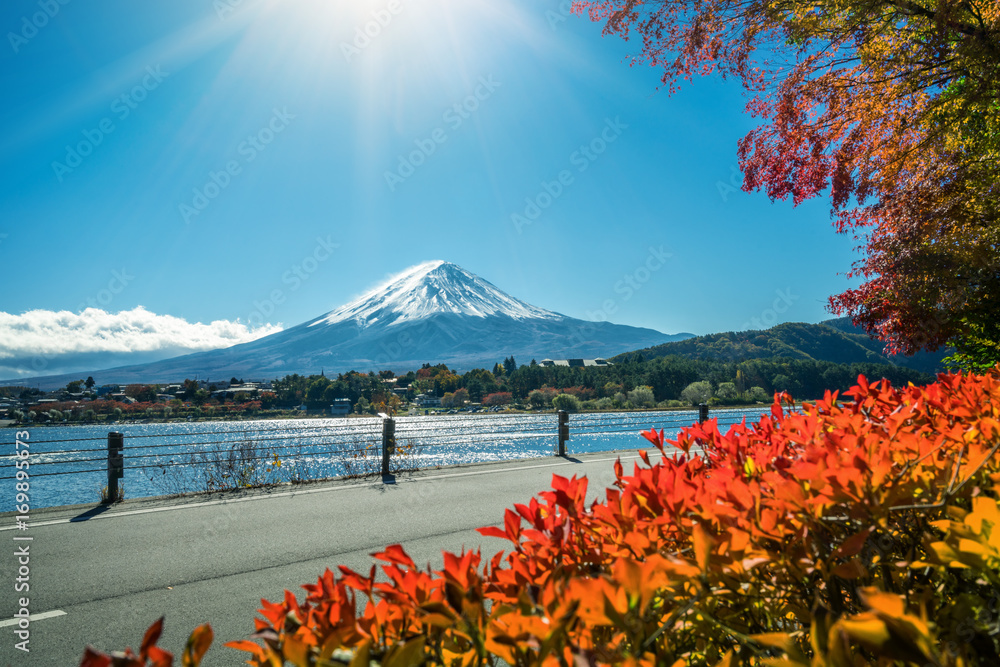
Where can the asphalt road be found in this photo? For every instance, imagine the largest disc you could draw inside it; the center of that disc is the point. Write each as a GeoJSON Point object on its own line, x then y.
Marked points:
{"type": "Point", "coordinates": [101, 577]}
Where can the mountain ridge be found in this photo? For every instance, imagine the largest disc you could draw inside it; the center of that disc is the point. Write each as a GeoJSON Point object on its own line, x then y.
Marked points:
{"type": "Point", "coordinates": [434, 312]}
{"type": "Point", "coordinates": [835, 340]}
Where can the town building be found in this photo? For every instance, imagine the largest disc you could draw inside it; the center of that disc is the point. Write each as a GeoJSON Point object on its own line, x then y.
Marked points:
{"type": "Point", "coordinates": [340, 407]}
{"type": "Point", "coordinates": [427, 401]}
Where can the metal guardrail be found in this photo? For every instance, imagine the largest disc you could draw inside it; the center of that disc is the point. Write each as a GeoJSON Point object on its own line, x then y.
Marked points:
{"type": "Point", "coordinates": [116, 454]}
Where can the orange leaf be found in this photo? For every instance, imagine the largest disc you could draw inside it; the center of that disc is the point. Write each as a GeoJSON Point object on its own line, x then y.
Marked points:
{"type": "Point", "coordinates": [702, 547]}
{"type": "Point", "coordinates": [151, 637]}
{"type": "Point", "coordinates": [491, 531]}
{"type": "Point", "coordinates": [395, 553]}
{"type": "Point", "coordinates": [197, 645]}
{"type": "Point", "coordinates": [244, 645]}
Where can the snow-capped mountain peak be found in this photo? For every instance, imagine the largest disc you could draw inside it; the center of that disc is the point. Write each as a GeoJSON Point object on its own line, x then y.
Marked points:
{"type": "Point", "coordinates": [433, 288]}
{"type": "Point", "coordinates": [435, 312]}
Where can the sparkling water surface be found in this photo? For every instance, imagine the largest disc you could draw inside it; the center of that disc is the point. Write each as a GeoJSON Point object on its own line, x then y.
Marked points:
{"type": "Point", "coordinates": [68, 464]}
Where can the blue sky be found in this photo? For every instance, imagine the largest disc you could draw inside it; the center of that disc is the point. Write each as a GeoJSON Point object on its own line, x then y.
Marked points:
{"type": "Point", "coordinates": [196, 159]}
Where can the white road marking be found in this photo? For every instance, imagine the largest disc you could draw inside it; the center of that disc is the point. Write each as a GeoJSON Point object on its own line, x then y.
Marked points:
{"type": "Point", "coordinates": [34, 617]}
{"type": "Point", "coordinates": [289, 494]}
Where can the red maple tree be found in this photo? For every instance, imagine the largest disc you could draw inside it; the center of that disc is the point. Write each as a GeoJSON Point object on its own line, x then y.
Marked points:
{"type": "Point", "coordinates": [890, 106]}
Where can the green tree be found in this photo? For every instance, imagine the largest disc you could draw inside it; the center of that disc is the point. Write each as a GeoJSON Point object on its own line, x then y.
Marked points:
{"type": "Point", "coordinates": [143, 393]}
{"type": "Point", "coordinates": [536, 399]}
{"type": "Point", "coordinates": [315, 391]}
{"type": "Point", "coordinates": [200, 397]}
{"type": "Point", "coordinates": [697, 393]}
{"type": "Point", "coordinates": [641, 397]}
{"type": "Point", "coordinates": [741, 381]}
{"type": "Point", "coordinates": [75, 387]}
{"type": "Point", "coordinates": [190, 387]}
{"type": "Point", "coordinates": [509, 365]}
{"type": "Point", "coordinates": [479, 382]}
{"type": "Point", "coordinates": [566, 402]}
{"type": "Point", "coordinates": [726, 392]}
{"type": "Point", "coordinates": [89, 383]}
{"type": "Point", "coordinates": [782, 382]}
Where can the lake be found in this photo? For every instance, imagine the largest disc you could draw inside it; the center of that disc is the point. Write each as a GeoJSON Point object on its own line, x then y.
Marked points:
{"type": "Point", "coordinates": [69, 463]}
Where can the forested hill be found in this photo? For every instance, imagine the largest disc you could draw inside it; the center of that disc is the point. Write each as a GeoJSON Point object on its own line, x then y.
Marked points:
{"type": "Point", "coordinates": [837, 341]}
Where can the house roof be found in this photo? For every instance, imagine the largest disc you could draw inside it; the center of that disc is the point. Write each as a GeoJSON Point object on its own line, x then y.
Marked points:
{"type": "Point", "coordinates": [576, 363]}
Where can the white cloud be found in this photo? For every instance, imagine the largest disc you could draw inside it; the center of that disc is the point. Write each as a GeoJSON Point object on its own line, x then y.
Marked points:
{"type": "Point", "coordinates": [58, 339]}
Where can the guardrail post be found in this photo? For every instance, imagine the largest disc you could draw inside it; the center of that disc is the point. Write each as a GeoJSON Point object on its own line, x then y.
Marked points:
{"type": "Point", "coordinates": [703, 413]}
{"type": "Point", "coordinates": [563, 431]}
{"type": "Point", "coordinates": [116, 463]}
{"type": "Point", "coordinates": [388, 441]}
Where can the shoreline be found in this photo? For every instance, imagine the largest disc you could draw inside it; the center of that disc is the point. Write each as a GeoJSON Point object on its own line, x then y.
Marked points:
{"type": "Point", "coordinates": [318, 417]}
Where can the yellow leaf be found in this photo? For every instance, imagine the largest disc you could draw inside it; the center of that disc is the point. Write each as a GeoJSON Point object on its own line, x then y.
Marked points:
{"type": "Point", "coordinates": [295, 651]}
{"type": "Point", "coordinates": [702, 547]}
{"type": "Point", "coordinates": [946, 555]}
{"type": "Point", "coordinates": [405, 654]}
{"type": "Point", "coordinates": [728, 660]}
{"type": "Point", "coordinates": [775, 639]}
{"type": "Point", "coordinates": [887, 603]}
{"type": "Point", "coordinates": [362, 656]}
{"type": "Point", "coordinates": [973, 547]}
{"type": "Point", "coordinates": [870, 631]}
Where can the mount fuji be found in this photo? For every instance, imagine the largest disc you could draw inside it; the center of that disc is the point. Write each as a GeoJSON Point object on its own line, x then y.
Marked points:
{"type": "Point", "coordinates": [436, 312]}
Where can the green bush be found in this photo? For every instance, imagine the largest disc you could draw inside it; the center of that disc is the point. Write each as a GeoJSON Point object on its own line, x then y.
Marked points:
{"type": "Point", "coordinates": [566, 402]}
{"type": "Point", "coordinates": [697, 392]}
{"type": "Point", "coordinates": [641, 397]}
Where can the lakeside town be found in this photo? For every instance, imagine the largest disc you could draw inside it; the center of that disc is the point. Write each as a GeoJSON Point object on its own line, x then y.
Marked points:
{"type": "Point", "coordinates": [423, 391]}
